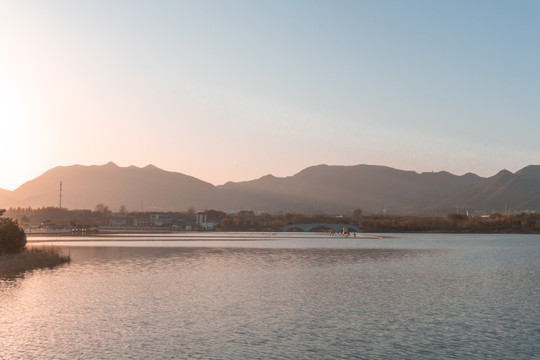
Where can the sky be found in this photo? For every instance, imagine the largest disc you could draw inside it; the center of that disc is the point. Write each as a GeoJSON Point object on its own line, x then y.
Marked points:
{"type": "Point", "coordinates": [234, 90]}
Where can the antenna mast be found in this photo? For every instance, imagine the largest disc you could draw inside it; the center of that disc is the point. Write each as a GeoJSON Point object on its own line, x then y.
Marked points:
{"type": "Point", "coordinates": [60, 202]}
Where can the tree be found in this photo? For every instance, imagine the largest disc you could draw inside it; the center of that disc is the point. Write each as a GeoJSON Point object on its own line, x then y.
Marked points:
{"type": "Point", "coordinates": [12, 236]}
{"type": "Point", "coordinates": [104, 212]}
{"type": "Point", "coordinates": [123, 210]}
{"type": "Point", "coordinates": [358, 213]}
{"type": "Point", "coordinates": [102, 208]}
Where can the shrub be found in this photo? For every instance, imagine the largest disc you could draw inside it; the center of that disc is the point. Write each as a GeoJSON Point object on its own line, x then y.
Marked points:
{"type": "Point", "coordinates": [12, 237]}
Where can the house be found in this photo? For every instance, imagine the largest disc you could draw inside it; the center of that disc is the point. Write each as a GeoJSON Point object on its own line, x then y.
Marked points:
{"type": "Point", "coordinates": [201, 218]}
{"type": "Point", "coordinates": [161, 220]}
{"type": "Point", "coordinates": [141, 221]}
{"type": "Point", "coordinates": [119, 221]}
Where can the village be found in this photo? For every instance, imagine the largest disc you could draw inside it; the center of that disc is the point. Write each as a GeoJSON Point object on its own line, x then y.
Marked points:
{"type": "Point", "coordinates": [61, 220]}
{"type": "Point", "coordinates": [169, 221]}
{"type": "Point", "coordinates": [133, 222]}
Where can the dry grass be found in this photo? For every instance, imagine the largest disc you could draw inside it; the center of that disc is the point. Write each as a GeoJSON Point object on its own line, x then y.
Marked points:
{"type": "Point", "coordinates": [32, 259]}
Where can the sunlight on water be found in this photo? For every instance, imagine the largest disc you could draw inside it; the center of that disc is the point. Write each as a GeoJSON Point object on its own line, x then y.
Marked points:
{"type": "Point", "coordinates": [276, 297]}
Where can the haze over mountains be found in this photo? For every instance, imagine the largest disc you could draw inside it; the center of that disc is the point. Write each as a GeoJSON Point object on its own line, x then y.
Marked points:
{"type": "Point", "coordinates": [321, 188]}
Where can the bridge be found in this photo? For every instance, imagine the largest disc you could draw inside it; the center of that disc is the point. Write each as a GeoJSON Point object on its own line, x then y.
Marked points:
{"type": "Point", "coordinates": [321, 226]}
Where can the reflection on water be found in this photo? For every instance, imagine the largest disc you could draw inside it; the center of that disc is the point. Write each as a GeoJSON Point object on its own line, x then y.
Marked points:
{"type": "Point", "coordinates": [299, 298]}
{"type": "Point", "coordinates": [257, 257]}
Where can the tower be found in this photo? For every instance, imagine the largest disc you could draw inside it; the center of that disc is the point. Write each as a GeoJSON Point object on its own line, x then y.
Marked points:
{"type": "Point", "coordinates": [60, 199]}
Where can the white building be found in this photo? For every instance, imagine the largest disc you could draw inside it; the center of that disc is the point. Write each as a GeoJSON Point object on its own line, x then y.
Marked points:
{"type": "Point", "coordinates": [203, 223]}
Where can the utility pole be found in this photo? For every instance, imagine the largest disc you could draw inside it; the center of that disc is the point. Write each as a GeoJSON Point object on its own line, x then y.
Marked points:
{"type": "Point", "coordinates": [60, 200]}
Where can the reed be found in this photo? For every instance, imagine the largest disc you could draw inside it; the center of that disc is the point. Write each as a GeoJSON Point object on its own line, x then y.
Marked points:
{"type": "Point", "coordinates": [32, 259]}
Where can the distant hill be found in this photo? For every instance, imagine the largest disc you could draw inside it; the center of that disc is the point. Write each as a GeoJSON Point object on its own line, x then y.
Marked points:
{"type": "Point", "coordinates": [505, 190]}
{"type": "Point", "coordinates": [6, 197]}
{"type": "Point", "coordinates": [147, 188]}
{"type": "Point", "coordinates": [343, 188]}
{"type": "Point", "coordinates": [321, 188]}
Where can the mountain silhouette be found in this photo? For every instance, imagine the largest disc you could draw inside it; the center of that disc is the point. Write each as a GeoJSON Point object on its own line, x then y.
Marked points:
{"type": "Point", "coordinates": [343, 188]}
{"type": "Point", "coordinates": [147, 188]}
{"type": "Point", "coordinates": [321, 188]}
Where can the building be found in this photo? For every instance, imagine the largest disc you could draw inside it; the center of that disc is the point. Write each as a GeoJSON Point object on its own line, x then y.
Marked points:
{"type": "Point", "coordinates": [203, 223]}
{"type": "Point", "coordinates": [119, 221]}
{"type": "Point", "coordinates": [161, 219]}
{"type": "Point", "coordinates": [141, 221]}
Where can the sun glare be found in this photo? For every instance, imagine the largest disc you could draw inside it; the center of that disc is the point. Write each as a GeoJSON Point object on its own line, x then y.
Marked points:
{"type": "Point", "coordinates": [18, 143]}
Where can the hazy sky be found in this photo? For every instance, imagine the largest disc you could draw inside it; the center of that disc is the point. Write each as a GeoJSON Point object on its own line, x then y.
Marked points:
{"type": "Point", "coordinates": [234, 90]}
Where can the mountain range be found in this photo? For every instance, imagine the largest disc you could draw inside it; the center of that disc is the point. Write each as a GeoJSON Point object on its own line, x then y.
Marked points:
{"type": "Point", "coordinates": [321, 188]}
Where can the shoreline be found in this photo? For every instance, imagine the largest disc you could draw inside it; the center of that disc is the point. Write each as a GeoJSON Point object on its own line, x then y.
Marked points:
{"type": "Point", "coordinates": [167, 231]}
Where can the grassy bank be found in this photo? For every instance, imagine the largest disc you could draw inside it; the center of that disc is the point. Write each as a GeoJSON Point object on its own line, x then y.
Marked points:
{"type": "Point", "coordinates": [32, 259]}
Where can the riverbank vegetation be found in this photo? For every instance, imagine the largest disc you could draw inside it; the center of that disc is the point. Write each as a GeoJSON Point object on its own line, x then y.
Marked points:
{"type": "Point", "coordinates": [46, 257]}
{"type": "Point", "coordinates": [16, 258]}
{"type": "Point", "coordinates": [453, 223]}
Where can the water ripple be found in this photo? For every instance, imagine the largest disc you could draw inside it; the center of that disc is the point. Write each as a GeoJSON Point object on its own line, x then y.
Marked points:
{"type": "Point", "coordinates": [420, 299]}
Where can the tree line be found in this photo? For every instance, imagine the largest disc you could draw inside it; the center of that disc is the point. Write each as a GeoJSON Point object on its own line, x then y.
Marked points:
{"type": "Point", "coordinates": [453, 223]}
{"type": "Point", "coordinates": [252, 221]}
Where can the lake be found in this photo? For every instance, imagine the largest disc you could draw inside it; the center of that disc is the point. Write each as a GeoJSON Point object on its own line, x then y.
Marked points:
{"type": "Point", "coordinates": [278, 296]}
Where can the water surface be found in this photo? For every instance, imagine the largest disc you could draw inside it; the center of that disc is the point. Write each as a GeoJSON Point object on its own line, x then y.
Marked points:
{"type": "Point", "coordinates": [278, 296]}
